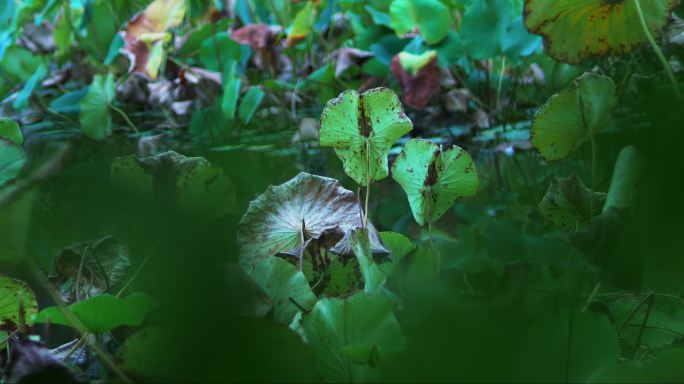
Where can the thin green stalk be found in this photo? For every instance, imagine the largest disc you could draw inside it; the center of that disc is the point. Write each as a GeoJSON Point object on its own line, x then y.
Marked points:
{"type": "Point", "coordinates": [591, 297]}
{"type": "Point", "coordinates": [368, 183]}
{"type": "Point", "coordinates": [500, 84]}
{"type": "Point", "coordinates": [125, 117]}
{"type": "Point", "coordinates": [593, 172]}
{"type": "Point", "coordinates": [656, 48]}
{"type": "Point", "coordinates": [75, 321]}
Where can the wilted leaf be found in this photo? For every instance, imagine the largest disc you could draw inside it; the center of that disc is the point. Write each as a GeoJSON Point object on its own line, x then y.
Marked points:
{"type": "Point", "coordinates": [574, 30]}
{"type": "Point", "coordinates": [257, 36]}
{"type": "Point", "coordinates": [191, 184]}
{"type": "Point", "coordinates": [571, 117]}
{"type": "Point", "coordinates": [145, 35]}
{"type": "Point", "coordinates": [103, 313]}
{"type": "Point", "coordinates": [362, 126]}
{"type": "Point", "coordinates": [17, 302]}
{"type": "Point", "coordinates": [430, 17]}
{"type": "Point", "coordinates": [339, 330]}
{"type": "Point", "coordinates": [433, 179]}
{"type": "Point", "coordinates": [666, 367]}
{"type": "Point", "coordinates": [94, 117]}
{"type": "Point", "coordinates": [285, 285]}
{"type": "Point", "coordinates": [569, 203]}
{"type": "Point", "coordinates": [90, 268]}
{"type": "Point", "coordinates": [307, 207]}
{"type": "Point", "coordinates": [418, 75]}
{"type": "Point", "coordinates": [349, 57]}
{"type": "Point", "coordinates": [665, 320]}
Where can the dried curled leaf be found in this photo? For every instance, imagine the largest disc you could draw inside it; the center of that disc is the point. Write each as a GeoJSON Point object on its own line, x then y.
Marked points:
{"type": "Point", "coordinates": [145, 35]}
{"type": "Point", "coordinates": [309, 207]}
{"type": "Point", "coordinates": [568, 202]}
{"type": "Point", "coordinates": [418, 75]}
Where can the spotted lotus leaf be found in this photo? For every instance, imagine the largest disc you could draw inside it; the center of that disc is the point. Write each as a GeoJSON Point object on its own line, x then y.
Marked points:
{"type": "Point", "coordinates": [577, 29]}
{"type": "Point", "coordinates": [434, 178]}
{"type": "Point", "coordinates": [364, 127]}
{"type": "Point", "coordinates": [568, 202]}
{"type": "Point", "coordinates": [309, 207]}
{"type": "Point", "coordinates": [17, 304]}
{"type": "Point", "coordinates": [569, 118]}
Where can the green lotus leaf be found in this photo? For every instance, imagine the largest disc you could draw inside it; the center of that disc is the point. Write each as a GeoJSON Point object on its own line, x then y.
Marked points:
{"type": "Point", "coordinates": [15, 297]}
{"type": "Point", "coordinates": [317, 209]}
{"type": "Point", "coordinates": [95, 120]}
{"type": "Point", "coordinates": [285, 285]}
{"type": "Point", "coordinates": [431, 17]}
{"type": "Point", "coordinates": [103, 313]}
{"type": "Point", "coordinates": [364, 125]}
{"type": "Point", "coordinates": [399, 246]}
{"type": "Point", "coordinates": [340, 330]}
{"type": "Point", "coordinates": [568, 202]}
{"type": "Point", "coordinates": [569, 118]}
{"type": "Point", "coordinates": [576, 29]}
{"type": "Point", "coordinates": [433, 178]}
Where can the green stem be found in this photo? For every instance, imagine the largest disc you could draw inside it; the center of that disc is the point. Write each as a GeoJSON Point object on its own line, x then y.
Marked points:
{"type": "Point", "coordinates": [125, 117]}
{"type": "Point", "coordinates": [500, 84]}
{"type": "Point", "coordinates": [591, 297]}
{"type": "Point", "coordinates": [656, 48]}
{"type": "Point", "coordinates": [368, 183]}
{"type": "Point", "coordinates": [593, 172]}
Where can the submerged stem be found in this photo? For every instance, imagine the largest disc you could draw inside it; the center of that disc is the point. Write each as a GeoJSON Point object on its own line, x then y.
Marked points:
{"type": "Point", "coordinates": [656, 48]}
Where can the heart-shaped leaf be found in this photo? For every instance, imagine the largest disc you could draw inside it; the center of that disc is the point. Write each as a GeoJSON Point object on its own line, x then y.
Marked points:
{"type": "Point", "coordinates": [94, 117]}
{"type": "Point", "coordinates": [430, 17]}
{"type": "Point", "coordinates": [364, 127]}
{"type": "Point", "coordinates": [308, 207]}
{"type": "Point", "coordinates": [574, 30]}
{"type": "Point", "coordinates": [568, 202]}
{"type": "Point", "coordinates": [103, 313]}
{"type": "Point", "coordinates": [570, 117]}
{"type": "Point", "coordinates": [433, 179]}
